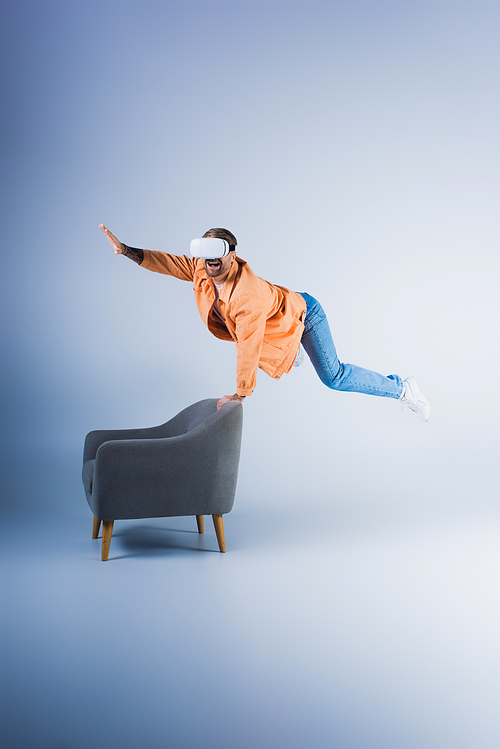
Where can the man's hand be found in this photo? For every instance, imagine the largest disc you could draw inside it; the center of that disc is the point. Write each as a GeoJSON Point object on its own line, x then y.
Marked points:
{"type": "Point", "coordinates": [115, 243]}
{"type": "Point", "coordinates": [227, 398]}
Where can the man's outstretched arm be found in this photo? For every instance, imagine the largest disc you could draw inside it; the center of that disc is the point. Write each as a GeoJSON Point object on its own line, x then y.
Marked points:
{"type": "Point", "coordinates": [179, 266]}
{"type": "Point", "coordinates": [122, 249]}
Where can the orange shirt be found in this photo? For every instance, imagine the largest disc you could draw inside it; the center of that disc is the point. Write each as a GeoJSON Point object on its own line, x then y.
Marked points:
{"type": "Point", "coordinates": [265, 321]}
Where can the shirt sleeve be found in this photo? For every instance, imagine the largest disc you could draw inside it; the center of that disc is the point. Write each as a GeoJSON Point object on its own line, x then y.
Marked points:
{"type": "Point", "coordinates": [250, 321]}
{"type": "Point", "coordinates": [179, 266]}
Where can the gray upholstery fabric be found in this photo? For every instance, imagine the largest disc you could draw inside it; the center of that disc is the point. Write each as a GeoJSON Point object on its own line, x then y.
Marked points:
{"type": "Point", "coordinates": [187, 466]}
{"type": "Point", "coordinates": [88, 475]}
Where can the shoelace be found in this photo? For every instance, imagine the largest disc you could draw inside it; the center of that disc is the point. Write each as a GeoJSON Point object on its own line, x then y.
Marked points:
{"type": "Point", "coordinates": [412, 406]}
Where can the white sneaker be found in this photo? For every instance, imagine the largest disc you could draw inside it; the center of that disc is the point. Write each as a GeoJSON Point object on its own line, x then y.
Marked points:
{"type": "Point", "coordinates": [414, 399]}
{"type": "Point", "coordinates": [300, 356]}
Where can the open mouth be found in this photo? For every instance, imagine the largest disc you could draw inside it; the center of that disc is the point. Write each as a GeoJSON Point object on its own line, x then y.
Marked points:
{"type": "Point", "coordinates": [214, 264]}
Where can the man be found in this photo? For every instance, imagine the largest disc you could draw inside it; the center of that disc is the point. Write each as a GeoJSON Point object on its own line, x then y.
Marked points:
{"type": "Point", "coordinates": [268, 323]}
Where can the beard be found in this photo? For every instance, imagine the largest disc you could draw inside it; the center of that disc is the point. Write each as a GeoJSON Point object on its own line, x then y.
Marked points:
{"type": "Point", "coordinates": [213, 267]}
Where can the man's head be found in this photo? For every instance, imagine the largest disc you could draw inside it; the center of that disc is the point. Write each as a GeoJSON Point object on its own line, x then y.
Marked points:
{"type": "Point", "coordinates": [219, 268]}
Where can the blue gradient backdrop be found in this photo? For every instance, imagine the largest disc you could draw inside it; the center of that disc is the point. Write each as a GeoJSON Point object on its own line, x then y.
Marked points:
{"type": "Point", "coordinates": [353, 149]}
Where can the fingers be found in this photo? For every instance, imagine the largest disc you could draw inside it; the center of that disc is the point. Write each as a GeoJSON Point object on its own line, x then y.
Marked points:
{"type": "Point", "coordinates": [106, 231]}
{"type": "Point", "coordinates": [114, 242]}
{"type": "Point", "coordinates": [223, 400]}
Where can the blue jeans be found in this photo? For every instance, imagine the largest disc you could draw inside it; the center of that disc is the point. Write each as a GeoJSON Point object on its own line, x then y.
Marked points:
{"type": "Point", "coordinates": [318, 343]}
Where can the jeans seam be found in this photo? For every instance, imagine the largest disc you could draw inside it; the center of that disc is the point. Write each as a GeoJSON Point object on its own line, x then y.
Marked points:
{"type": "Point", "coordinates": [319, 344]}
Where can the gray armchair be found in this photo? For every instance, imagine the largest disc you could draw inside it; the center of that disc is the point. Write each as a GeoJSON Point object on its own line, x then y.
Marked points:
{"type": "Point", "coordinates": [187, 466]}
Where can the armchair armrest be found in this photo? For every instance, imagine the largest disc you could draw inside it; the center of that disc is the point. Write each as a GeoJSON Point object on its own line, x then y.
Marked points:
{"type": "Point", "coordinates": [96, 438]}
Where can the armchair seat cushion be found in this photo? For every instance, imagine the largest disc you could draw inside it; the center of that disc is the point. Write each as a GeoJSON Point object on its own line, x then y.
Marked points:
{"type": "Point", "coordinates": [88, 474]}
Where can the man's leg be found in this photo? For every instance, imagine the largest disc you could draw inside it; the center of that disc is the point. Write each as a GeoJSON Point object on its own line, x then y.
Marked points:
{"type": "Point", "coordinates": [318, 343]}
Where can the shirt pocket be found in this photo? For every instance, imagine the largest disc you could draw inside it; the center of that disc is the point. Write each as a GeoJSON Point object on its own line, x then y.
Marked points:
{"type": "Point", "coordinates": [272, 352]}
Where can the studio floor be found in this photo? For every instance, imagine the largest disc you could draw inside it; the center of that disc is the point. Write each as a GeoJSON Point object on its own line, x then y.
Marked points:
{"type": "Point", "coordinates": [326, 624]}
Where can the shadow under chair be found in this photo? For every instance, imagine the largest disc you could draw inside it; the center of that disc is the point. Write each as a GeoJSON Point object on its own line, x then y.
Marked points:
{"type": "Point", "coordinates": [187, 466]}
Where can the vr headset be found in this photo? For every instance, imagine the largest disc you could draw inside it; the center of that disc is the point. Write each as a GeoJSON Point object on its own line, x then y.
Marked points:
{"type": "Point", "coordinates": [210, 248]}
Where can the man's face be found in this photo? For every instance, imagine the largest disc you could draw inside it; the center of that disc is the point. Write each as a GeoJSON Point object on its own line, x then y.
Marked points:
{"type": "Point", "coordinates": [218, 269]}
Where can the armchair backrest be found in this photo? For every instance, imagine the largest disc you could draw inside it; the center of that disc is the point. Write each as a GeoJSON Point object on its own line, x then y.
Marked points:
{"type": "Point", "coordinates": [189, 418]}
{"type": "Point", "coordinates": [183, 422]}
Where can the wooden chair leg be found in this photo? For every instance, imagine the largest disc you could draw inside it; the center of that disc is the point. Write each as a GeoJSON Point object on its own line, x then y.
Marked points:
{"type": "Point", "coordinates": [219, 530]}
{"type": "Point", "coordinates": [201, 523]}
{"type": "Point", "coordinates": [107, 532]}
{"type": "Point", "coordinates": [95, 528]}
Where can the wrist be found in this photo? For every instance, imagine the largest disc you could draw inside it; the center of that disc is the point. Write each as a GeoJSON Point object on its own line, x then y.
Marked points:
{"type": "Point", "coordinates": [133, 253]}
